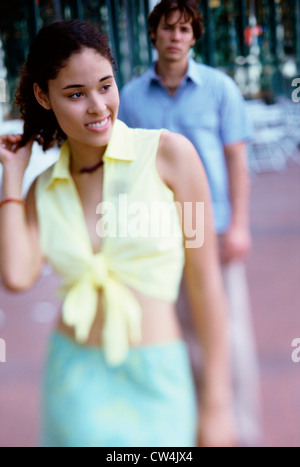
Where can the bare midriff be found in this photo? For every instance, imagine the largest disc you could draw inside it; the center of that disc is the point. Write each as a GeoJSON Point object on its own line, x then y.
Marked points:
{"type": "Point", "coordinates": [159, 322]}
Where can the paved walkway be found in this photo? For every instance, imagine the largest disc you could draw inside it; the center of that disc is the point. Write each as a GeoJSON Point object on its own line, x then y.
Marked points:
{"type": "Point", "coordinates": [274, 275]}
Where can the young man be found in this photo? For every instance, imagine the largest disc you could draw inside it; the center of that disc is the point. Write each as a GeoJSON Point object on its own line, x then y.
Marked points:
{"type": "Point", "coordinates": [206, 106]}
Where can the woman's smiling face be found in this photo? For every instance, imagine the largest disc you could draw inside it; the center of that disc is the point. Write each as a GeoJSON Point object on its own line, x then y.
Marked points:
{"type": "Point", "coordinates": [85, 99]}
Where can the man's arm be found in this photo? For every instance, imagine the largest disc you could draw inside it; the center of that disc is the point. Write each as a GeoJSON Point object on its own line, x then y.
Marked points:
{"type": "Point", "coordinates": [236, 242]}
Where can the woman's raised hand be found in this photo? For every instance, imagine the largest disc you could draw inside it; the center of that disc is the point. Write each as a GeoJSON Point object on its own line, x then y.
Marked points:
{"type": "Point", "coordinates": [12, 154]}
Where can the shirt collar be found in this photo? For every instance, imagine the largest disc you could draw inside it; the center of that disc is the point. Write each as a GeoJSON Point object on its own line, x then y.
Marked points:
{"type": "Point", "coordinates": [120, 147]}
{"type": "Point", "coordinates": [192, 73]}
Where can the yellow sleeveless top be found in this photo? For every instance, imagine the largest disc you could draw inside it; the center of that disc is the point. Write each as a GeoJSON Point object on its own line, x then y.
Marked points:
{"type": "Point", "coordinates": [142, 239]}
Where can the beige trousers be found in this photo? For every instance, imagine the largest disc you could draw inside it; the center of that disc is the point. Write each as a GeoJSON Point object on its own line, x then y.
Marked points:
{"type": "Point", "coordinates": [245, 368]}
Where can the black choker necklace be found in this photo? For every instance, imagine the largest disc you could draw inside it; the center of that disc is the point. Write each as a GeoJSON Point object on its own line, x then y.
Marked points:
{"type": "Point", "coordinates": [88, 170]}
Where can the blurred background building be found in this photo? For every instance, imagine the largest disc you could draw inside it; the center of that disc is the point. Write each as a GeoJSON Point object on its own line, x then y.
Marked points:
{"type": "Point", "coordinates": [257, 42]}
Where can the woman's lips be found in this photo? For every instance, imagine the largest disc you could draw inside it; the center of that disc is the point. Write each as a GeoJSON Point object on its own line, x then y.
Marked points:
{"type": "Point", "coordinates": [98, 125]}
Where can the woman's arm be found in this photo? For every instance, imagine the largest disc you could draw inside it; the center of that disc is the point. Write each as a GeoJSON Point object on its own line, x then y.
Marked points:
{"type": "Point", "coordinates": [21, 259]}
{"type": "Point", "coordinates": [180, 167]}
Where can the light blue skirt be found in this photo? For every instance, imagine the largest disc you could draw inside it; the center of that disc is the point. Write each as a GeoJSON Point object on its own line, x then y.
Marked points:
{"type": "Point", "coordinates": [149, 401]}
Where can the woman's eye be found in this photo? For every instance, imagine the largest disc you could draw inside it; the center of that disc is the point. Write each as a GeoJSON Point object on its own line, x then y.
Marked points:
{"type": "Point", "coordinates": [106, 87]}
{"type": "Point", "coordinates": [77, 95]}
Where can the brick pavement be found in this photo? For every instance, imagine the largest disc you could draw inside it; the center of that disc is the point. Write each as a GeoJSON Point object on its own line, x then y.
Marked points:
{"type": "Point", "coordinates": [274, 276]}
{"type": "Point", "coordinates": [274, 273]}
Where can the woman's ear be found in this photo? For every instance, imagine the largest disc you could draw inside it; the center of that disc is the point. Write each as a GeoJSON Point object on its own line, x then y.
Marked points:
{"type": "Point", "coordinates": [41, 97]}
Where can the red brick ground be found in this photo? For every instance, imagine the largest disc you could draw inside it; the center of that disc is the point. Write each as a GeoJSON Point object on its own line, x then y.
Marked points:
{"type": "Point", "coordinates": [274, 277]}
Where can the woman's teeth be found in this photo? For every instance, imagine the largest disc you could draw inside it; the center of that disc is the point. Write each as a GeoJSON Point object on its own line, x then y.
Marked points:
{"type": "Point", "coordinates": [99, 124]}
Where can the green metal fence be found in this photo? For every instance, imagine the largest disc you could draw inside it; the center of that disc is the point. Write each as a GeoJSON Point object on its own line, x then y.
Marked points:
{"type": "Point", "coordinates": [261, 36]}
{"type": "Point", "coordinates": [240, 35]}
{"type": "Point", "coordinates": [125, 21]}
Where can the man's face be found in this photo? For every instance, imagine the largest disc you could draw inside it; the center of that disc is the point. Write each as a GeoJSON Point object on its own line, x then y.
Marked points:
{"type": "Point", "coordinates": [174, 37]}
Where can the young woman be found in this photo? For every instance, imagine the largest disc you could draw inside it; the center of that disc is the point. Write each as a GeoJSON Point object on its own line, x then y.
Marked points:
{"type": "Point", "coordinates": [117, 372]}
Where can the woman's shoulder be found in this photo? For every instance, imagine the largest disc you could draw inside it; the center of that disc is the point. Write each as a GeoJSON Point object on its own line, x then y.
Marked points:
{"type": "Point", "coordinates": [175, 149]}
{"type": "Point", "coordinates": [171, 149]}
{"type": "Point", "coordinates": [177, 159]}
{"type": "Point", "coordinates": [126, 136]}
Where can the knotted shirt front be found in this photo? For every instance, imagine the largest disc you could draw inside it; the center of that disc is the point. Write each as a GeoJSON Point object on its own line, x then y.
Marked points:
{"type": "Point", "coordinates": [142, 239]}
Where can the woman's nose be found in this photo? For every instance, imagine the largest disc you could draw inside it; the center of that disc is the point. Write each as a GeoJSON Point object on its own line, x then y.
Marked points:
{"type": "Point", "coordinates": [96, 104]}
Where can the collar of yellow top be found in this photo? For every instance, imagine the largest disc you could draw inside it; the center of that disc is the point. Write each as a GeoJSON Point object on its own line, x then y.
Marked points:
{"type": "Point", "coordinates": [120, 147]}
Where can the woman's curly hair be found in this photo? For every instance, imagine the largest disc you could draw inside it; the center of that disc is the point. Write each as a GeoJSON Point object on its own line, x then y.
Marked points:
{"type": "Point", "coordinates": [48, 54]}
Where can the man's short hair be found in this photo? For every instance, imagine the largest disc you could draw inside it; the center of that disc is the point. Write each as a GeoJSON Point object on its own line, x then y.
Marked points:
{"type": "Point", "coordinates": [189, 10]}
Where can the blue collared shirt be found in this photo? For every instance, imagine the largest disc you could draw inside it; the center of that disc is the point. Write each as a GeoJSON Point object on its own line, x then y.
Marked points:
{"type": "Point", "coordinates": [208, 108]}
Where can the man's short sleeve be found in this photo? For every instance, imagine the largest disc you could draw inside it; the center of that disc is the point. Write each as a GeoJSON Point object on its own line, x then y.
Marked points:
{"type": "Point", "coordinates": [235, 124]}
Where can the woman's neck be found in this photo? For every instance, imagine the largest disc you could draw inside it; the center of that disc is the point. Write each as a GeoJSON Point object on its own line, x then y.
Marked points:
{"type": "Point", "coordinates": [85, 159]}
